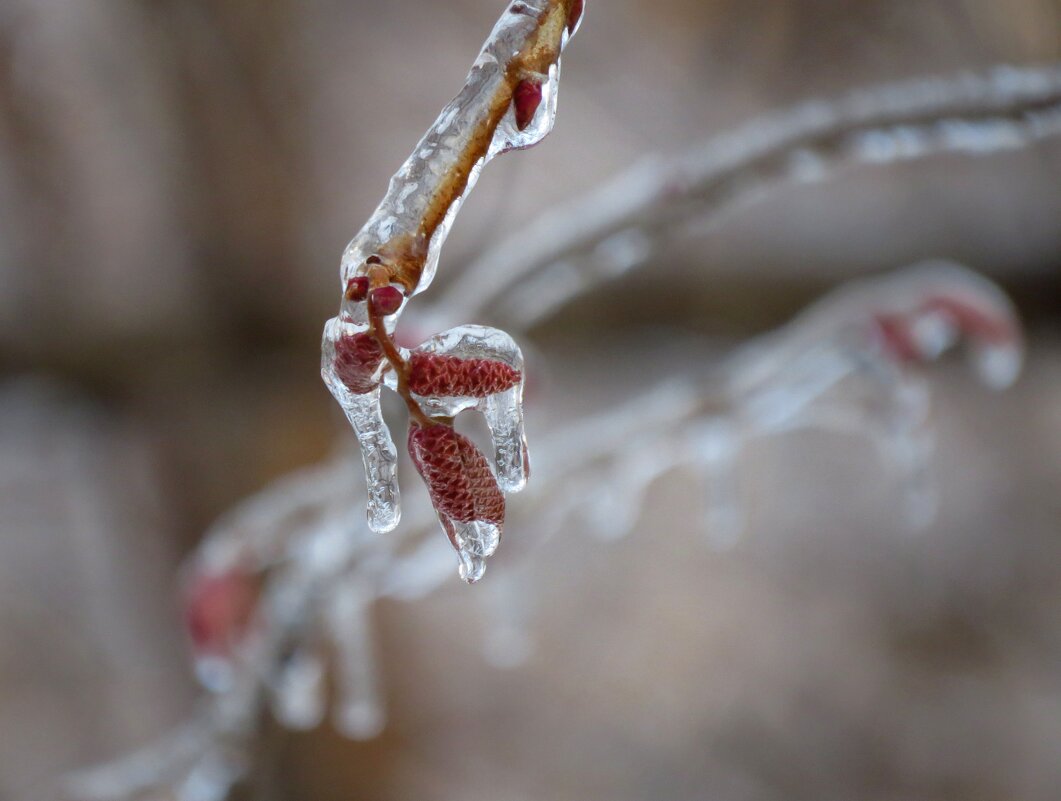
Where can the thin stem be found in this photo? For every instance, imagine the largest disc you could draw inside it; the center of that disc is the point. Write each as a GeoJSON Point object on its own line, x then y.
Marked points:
{"type": "Point", "coordinates": [400, 366]}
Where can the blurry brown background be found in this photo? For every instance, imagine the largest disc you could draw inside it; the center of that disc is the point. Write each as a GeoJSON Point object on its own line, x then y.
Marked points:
{"type": "Point", "coordinates": [177, 179]}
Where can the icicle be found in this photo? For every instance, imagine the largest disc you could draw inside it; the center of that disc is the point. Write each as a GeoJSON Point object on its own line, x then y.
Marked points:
{"type": "Point", "coordinates": [298, 687]}
{"type": "Point", "coordinates": [211, 779]}
{"type": "Point", "coordinates": [912, 453]}
{"type": "Point", "coordinates": [360, 710]}
{"type": "Point", "coordinates": [911, 446]}
{"type": "Point", "coordinates": [363, 410]}
{"type": "Point", "coordinates": [717, 444]}
{"type": "Point", "coordinates": [476, 541]}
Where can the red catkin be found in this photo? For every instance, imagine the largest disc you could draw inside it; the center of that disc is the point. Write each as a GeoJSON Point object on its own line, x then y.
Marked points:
{"type": "Point", "coordinates": [458, 477]}
{"type": "Point", "coordinates": [357, 357]}
{"type": "Point", "coordinates": [432, 375]}
{"type": "Point", "coordinates": [525, 101]}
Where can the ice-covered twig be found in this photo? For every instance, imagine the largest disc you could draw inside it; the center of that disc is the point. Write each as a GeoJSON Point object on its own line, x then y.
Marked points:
{"type": "Point", "coordinates": [508, 102]}
{"type": "Point", "coordinates": [596, 238]}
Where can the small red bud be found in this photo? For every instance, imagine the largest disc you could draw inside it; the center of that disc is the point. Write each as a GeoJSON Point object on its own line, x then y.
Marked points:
{"type": "Point", "coordinates": [386, 299]}
{"type": "Point", "coordinates": [525, 101]}
{"type": "Point", "coordinates": [574, 15]}
{"type": "Point", "coordinates": [357, 288]}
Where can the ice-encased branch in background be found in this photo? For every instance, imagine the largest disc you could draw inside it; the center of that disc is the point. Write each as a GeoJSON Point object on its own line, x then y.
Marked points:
{"type": "Point", "coordinates": [284, 579]}
{"type": "Point", "coordinates": [598, 237]}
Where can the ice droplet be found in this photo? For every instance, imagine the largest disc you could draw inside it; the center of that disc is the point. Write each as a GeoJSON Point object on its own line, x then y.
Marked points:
{"type": "Point", "coordinates": [471, 567]}
{"type": "Point", "coordinates": [476, 540]}
{"type": "Point", "coordinates": [997, 365]}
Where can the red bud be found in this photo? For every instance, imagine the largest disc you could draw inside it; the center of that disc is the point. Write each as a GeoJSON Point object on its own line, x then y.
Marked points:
{"type": "Point", "coordinates": [525, 100]}
{"type": "Point", "coordinates": [574, 15]}
{"type": "Point", "coordinates": [386, 299]}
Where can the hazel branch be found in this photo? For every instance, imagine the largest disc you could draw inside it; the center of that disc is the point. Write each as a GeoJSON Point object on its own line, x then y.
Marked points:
{"type": "Point", "coordinates": [496, 110]}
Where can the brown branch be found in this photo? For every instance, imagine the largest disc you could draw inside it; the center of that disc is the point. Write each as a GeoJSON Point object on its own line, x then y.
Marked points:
{"type": "Point", "coordinates": [406, 230]}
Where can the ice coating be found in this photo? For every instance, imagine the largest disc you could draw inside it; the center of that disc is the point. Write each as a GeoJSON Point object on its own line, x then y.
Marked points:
{"type": "Point", "coordinates": [910, 317]}
{"type": "Point", "coordinates": [479, 123]}
{"type": "Point", "coordinates": [378, 453]}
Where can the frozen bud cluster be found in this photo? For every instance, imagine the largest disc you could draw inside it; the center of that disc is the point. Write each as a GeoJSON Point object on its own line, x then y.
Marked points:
{"type": "Point", "coordinates": [508, 103]}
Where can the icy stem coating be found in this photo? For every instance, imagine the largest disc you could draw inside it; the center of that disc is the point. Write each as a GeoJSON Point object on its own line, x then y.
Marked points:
{"type": "Point", "coordinates": [408, 228]}
{"type": "Point", "coordinates": [508, 102]}
{"type": "Point", "coordinates": [363, 411]}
